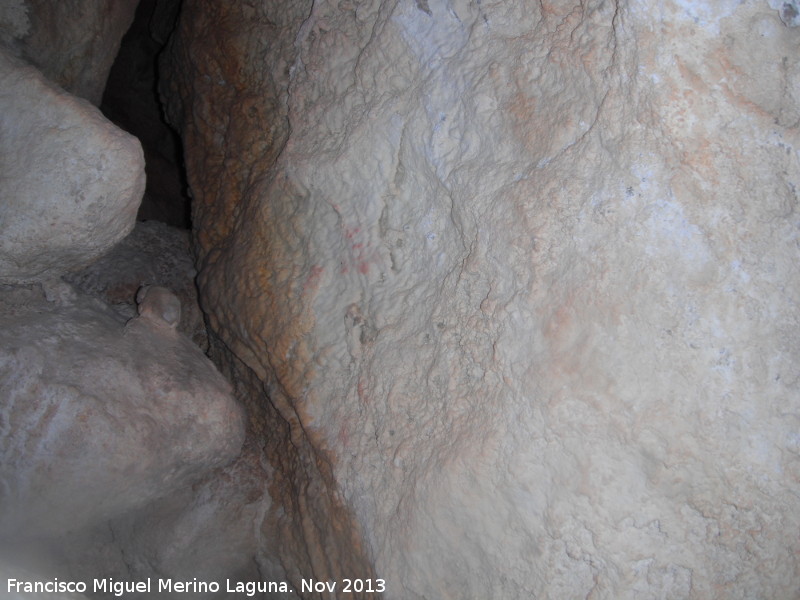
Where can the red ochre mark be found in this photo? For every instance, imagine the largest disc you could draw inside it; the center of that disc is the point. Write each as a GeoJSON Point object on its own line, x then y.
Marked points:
{"type": "Point", "coordinates": [312, 281]}
{"type": "Point", "coordinates": [362, 391]}
{"type": "Point", "coordinates": [361, 255]}
{"type": "Point", "coordinates": [344, 436]}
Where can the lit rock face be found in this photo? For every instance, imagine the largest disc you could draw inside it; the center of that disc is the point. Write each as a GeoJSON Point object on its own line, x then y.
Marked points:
{"type": "Point", "coordinates": [74, 43]}
{"type": "Point", "coordinates": [70, 181]}
{"type": "Point", "coordinates": [521, 278]}
{"type": "Point", "coordinates": [99, 416]}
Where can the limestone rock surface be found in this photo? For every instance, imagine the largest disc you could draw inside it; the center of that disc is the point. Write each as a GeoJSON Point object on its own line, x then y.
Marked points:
{"type": "Point", "coordinates": [100, 417]}
{"type": "Point", "coordinates": [521, 280]}
{"type": "Point", "coordinates": [70, 181]}
{"type": "Point", "coordinates": [73, 42]}
{"type": "Point", "coordinates": [152, 254]}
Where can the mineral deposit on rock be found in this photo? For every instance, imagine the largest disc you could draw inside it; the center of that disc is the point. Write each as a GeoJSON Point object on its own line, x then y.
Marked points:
{"type": "Point", "coordinates": [521, 279]}
{"type": "Point", "coordinates": [70, 181]}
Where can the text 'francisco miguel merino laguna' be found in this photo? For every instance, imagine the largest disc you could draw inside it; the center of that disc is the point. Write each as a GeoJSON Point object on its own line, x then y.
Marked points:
{"type": "Point", "coordinates": [249, 588]}
{"type": "Point", "coordinates": [120, 588]}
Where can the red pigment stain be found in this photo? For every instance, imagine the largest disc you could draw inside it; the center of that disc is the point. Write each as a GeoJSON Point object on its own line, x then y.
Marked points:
{"type": "Point", "coordinates": [362, 392]}
{"type": "Point", "coordinates": [344, 436]}
{"type": "Point", "coordinates": [313, 278]}
{"type": "Point", "coordinates": [361, 255]}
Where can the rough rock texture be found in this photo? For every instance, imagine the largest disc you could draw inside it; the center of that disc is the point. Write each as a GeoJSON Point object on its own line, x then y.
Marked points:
{"type": "Point", "coordinates": [70, 181]}
{"type": "Point", "coordinates": [308, 528]}
{"type": "Point", "coordinates": [74, 42]}
{"type": "Point", "coordinates": [100, 417]}
{"type": "Point", "coordinates": [152, 254]}
{"type": "Point", "coordinates": [520, 279]}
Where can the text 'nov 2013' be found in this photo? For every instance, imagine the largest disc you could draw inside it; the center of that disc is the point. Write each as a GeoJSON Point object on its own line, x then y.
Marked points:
{"type": "Point", "coordinates": [120, 588]}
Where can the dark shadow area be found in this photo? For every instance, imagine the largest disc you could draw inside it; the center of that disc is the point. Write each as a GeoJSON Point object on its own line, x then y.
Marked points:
{"type": "Point", "coordinates": [131, 101]}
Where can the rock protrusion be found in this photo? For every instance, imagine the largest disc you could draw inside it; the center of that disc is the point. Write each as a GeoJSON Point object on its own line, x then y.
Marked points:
{"type": "Point", "coordinates": [520, 277]}
{"type": "Point", "coordinates": [70, 181]}
{"type": "Point", "coordinates": [98, 417]}
{"type": "Point", "coordinates": [159, 305]}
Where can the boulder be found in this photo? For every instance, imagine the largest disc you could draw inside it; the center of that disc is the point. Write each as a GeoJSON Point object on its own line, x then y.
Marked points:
{"type": "Point", "coordinates": [101, 417]}
{"type": "Point", "coordinates": [521, 280]}
{"type": "Point", "coordinates": [71, 182]}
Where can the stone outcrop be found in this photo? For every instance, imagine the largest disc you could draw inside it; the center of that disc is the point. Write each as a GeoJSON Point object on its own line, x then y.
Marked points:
{"type": "Point", "coordinates": [100, 416]}
{"type": "Point", "coordinates": [73, 43]}
{"type": "Point", "coordinates": [71, 182]}
{"type": "Point", "coordinates": [518, 278]}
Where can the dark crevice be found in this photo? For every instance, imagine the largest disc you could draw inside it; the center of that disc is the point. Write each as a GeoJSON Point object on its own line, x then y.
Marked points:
{"type": "Point", "coordinates": [131, 101]}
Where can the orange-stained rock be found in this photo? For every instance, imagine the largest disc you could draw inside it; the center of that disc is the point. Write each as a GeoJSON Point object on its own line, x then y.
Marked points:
{"type": "Point", "coordinates": [518, 281]}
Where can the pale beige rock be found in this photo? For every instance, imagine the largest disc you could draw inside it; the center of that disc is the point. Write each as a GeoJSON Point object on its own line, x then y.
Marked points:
{"type": "Point", "coordinates": [70, 181]}
{"type": "Point", "coordinates": [159, 305]}
{"type": "Point", "coordinates": [100, 417]}
{"type": "Point", "coordinates": [521, 277]}
{"type": "Point", "coordinates": [209, 530]}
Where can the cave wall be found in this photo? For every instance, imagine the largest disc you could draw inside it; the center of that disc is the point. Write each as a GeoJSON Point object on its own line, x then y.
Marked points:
{"type": "Point", "coordinates": [517, 282]}
{"type": "Point", "coordinates": [73, 42]}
